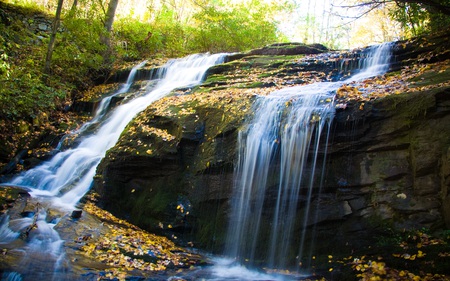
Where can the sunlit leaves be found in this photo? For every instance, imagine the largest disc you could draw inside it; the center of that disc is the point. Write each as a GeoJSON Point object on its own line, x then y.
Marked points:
{"type": "Point", "coordinates": [97, 92]}
{"type": "Point", "coordinates": [376, 270]}
{"type": "Point", "coordinates": [410, 79]}
{"type": "Point", "coordinates": [413, 257]}
{"type": "Point", "coordinates": [127, 247]}
{"type": "Point", "coordinates": [160, 133]}
{"type": "Point", "coordinates": [234, 27]}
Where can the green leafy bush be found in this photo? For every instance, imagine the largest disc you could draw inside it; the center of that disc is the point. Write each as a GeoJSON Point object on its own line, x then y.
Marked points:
{"type": "Point", "coordinates": [132, 40]}
{"type": "Point", "coordinates": [4, 65]}
{"type": "Point", "coordinates": [419, 18]}
{"type": "Point", "coordinates": [234, 28]}
{"type": "Point", "coordinates": [219, 27]}
{"type": "Point", "coordinates": [24, 96]}
{"type": "Point", "coordinates": [78, 50]}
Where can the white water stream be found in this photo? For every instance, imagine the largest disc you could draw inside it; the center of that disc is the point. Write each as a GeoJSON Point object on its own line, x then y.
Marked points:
{"type": "Point", "coordinates": [102, 108]}
{"type": "Point", "coordinates": [280, 164]}
{"type": "Point", "coordinates": [65, 178]}
{"type": "Point", "coordinates": [69, 175]}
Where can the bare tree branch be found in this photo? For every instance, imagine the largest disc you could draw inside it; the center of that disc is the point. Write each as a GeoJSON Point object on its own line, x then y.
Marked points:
{"type": "Point", "coordinates": [435, 5]}
{"type": "Point", "coordinates": [432, 4]}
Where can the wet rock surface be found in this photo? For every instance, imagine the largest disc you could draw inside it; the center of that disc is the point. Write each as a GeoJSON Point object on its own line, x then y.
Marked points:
{"type": "Point", "coordinates": [172, 170]}
{"type": "Point", "coordinates": [387, 162]}
{"type": "Point", "coordinates": [92, 245]}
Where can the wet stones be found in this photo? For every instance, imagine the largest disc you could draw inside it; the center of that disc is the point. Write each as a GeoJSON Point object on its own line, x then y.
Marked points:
{"type": "Point", "coordinates": [76, 214]}
{"type": "Point", "coordinates": [12, 196]}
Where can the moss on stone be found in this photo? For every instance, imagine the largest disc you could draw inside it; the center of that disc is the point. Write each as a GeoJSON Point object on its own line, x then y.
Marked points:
{"type": "Point", "coordinates": [431, 78]}
{"type": "Point", "coordinates": [408, 105]}
{"type": "Point", "coordinates": [8, 195]}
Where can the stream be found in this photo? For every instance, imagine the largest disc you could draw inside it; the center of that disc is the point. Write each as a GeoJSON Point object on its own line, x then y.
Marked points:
{"type": "Point", "coordinates": [274, 165]}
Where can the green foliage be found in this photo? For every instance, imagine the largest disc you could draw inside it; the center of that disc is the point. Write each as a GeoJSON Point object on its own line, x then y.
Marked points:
{"type": "Point", "coordinates": [212, 28]}
{"type": "Point", "coordinates": [131, 42]}
{"type": "Point", "coordinates": [78, 53]}
{"type": "Point", "coordinates": [233, 28]}
{"type": "Point", "coordinates": [24, 95]}
{"type": "Point", "coordinates": [169, 33]}
{"type": "Point", "coordinates": [4, 65]}
{"type": "Point", "coordinates": [438, 20]}
{"type": "Point", "coordinates": [412, 17]}
{"type": "Point", "coordinates": [418, 18]}
{"type": "Point", "coordinates": [26, 4]}
{"type": "Point", "coordinates": [78, 50]}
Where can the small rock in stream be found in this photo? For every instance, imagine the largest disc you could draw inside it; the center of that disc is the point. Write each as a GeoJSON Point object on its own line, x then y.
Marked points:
{"type": "Point", "coordinates": [76, 214]}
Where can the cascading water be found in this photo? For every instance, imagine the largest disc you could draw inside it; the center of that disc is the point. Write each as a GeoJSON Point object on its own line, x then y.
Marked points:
{"type": "Point", "coordinates": [102, 108]}
{"type": "Point", "coordinates": [280, 166]}
{"type": "Point", "coordinates": [65, 178]}
{"type": "Point", "coordinates": [68, 175]}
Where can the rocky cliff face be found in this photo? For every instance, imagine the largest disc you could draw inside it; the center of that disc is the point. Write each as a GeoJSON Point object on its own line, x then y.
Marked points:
{"type": "Point", "coordinates": [395, 154]}
{"type": "Point", "coordinates": [387, 170]}
{"type": "Point", "coordinates": [387, 163]}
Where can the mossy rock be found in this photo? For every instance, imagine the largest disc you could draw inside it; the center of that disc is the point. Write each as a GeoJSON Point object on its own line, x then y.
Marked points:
{"type": "Point", "coordinates": [290, 49]}
{"type": "Point", "coordinates": [9, 195]}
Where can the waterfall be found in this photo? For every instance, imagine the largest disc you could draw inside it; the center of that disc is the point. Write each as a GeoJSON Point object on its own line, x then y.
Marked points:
{"type": "Point", "coordinates": [65, 178]}
{"type": "Point", "coordinates": [69, 174]}
{"type": "Point", "coordinates": [280, 166]}
{"type": "Point", "coordinates": [102, 108]}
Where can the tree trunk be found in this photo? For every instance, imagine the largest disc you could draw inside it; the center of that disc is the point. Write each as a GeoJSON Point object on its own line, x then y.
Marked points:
{"type": "Point", "coordinates": [51, 43]}
{"type": "Point", "coordinates": [106, 39]}
{"type": "Point", "coordinates": [74, 7]}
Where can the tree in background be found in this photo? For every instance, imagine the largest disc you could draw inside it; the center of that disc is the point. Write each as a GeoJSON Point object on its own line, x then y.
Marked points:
{"type": "Point", "coordinates": [109, 19]}
{"type": "Point", "coordinates": [415, 16]}
{"type": "Point", "coordinates": [237, 27]}
{"type": "Point", "coordinates": [377, 26]}
{"type": "Point", "coordinates": [184, 27]}
{"type": "Point", "coordinates": [87, 40]}
{"type": "Point", "coordinates": [51, 42]}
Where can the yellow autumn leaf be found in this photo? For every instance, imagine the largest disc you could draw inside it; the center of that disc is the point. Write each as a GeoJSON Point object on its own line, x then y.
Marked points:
{"type": "Point", "coordinates": [420, 254]}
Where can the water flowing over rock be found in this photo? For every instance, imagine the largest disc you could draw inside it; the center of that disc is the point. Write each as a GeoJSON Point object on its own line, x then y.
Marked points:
{"type": "Point", "coordinates": [380, 171]}
{"type": "Point", "coordinates": [72, 171]}
{"type": "Point", "coordinates": [276, 173]}
{"type": "Point", "coordinates": [365, 164]}
{"type": "Point", "coordinates": [62, 181]}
